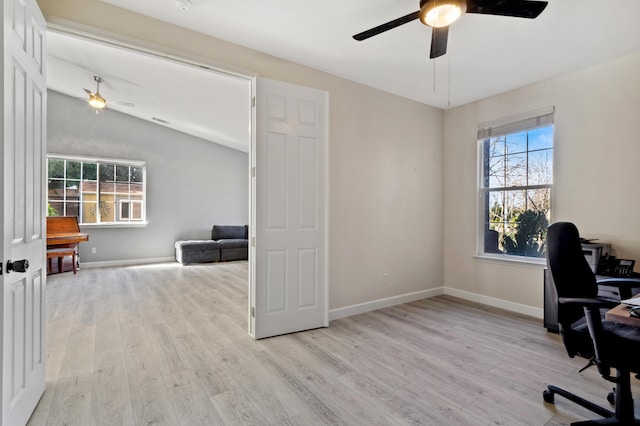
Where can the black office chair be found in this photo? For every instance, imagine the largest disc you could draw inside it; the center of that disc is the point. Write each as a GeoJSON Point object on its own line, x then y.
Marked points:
{"type": "Point", "coordinates": [605, 344]}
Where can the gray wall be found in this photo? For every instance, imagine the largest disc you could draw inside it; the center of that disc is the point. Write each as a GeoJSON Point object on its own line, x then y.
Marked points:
{"type": "Point", "coordinates": [192, 184]}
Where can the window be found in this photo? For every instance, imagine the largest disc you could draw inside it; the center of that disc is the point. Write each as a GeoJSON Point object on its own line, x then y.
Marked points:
{"type": "Point", "coordinates": [515, 186]}
{"type": "Point", "coordinates": [95, 190]}
{"type": "Point", "coordinates": [130, 210]}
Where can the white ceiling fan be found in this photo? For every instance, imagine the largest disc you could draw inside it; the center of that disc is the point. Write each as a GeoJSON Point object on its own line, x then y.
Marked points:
{"type": "Point", "coordinates": [97, 101]}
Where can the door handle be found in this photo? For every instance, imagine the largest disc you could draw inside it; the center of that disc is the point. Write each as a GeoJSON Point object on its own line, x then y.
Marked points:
{"type": "Point", "coordinates": [18, 265]}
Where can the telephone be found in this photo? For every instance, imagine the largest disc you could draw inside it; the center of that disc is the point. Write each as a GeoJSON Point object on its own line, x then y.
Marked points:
{"type": "Point", "coordinates": [611, 266]}
{"type": "Point", "coordinates": [624, 268]}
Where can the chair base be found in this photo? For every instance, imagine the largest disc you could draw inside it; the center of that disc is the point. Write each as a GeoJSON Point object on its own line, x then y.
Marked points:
{"type": "Point", "coordinates": [623, 414]}
{"type": "Point", "coordinates": [609, 421]}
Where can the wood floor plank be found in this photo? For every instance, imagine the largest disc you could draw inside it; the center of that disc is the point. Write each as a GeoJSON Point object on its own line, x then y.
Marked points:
{"type": "Point", "coordinates": [167, 344]}
{"type": "Point", "coordinates": [71, 403]}
{"type": "Point", "coordinates": [111, 399]}
{"type": "Point", "coordinates": [236, 409]}
{"type": "Point", "coordinates": [79, 353]}
{"type": "Point", "coordinates": [192, 405]}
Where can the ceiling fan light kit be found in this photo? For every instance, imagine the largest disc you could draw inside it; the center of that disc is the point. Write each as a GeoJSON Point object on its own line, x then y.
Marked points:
{"type": "Point", "coordinates": [97, 101]}
{"type": "Point", "coordinates": [441, 13]}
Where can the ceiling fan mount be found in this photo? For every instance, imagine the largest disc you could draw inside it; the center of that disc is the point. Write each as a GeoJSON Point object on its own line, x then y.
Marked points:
{"type": "Point", "coordinates": [439, 14]}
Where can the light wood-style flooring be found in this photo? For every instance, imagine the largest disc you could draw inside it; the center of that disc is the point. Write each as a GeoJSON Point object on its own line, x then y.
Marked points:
{"type": "Point", "coordinates": [167, 345]}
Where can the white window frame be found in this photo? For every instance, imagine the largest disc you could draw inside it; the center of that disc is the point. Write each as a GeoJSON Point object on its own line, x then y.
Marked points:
{"type": "Point", "coordinates": [504, 126]}
{"type": "Point", "coordinates": [130, 203]}
{"type": "Point", "coordinates": [130, 163]}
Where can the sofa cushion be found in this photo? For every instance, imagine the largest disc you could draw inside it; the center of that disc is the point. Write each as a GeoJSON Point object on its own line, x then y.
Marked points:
{"type": "Point", "coordinates": [187, 245]}
{"type": "Point", "coordinates": [223, 232]}
{"type": "Point", "coordinates": [197, 251]}
{"type": "Point", "coordinates": [234, 249]}
{"type": "Point", "coordinates": [233, 243]}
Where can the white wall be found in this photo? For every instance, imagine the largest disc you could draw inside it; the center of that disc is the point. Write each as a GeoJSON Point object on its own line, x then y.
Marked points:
{"type": "Point", "coordinates": [596, 173]}
{"type": "Point", "coordinates": [386, 159]}
{"type": "Point", "coordinates": [192, 184]}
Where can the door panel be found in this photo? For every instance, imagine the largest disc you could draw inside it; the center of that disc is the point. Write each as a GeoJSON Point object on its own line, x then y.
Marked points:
{"type": "Point", "coordinates": [289, 288]}
{"type": "Point", "coordinates": [23, 175]}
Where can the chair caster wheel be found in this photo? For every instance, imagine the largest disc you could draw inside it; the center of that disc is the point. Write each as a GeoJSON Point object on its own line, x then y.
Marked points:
{"type": "Point", "coordinates": [547, 395]}
{"type": "Point", "coordinates": [611, 397]}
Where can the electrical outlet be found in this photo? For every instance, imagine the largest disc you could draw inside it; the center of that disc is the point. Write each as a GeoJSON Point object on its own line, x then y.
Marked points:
{"type": "Point", "coordinates": [385, 279]}
{"type": "Point", "coordinates": [93, 250]}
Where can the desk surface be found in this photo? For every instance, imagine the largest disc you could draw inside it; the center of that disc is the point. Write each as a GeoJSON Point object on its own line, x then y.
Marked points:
{"type": "Point", "coordinates": [621, 314]}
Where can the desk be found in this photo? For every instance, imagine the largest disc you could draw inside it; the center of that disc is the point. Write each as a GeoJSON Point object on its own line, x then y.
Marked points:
{"type": "Point", "coordinates": [621, 314]}
{"type": "Point", "coordinates": [606, 289]}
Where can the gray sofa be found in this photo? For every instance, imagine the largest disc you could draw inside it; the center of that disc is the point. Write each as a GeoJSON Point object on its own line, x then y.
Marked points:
{"type": "Point", "coordinates": [228, 242]}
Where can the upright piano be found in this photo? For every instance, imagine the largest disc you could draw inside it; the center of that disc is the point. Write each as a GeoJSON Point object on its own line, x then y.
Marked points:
{"type": "Point", "coordinates": [64, 231]}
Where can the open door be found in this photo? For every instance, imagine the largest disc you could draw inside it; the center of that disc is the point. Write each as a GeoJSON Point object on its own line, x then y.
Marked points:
{"type": "Point", "coordinates": [23, 210]}
{"type": "Point", "coordinates": [289, 279]}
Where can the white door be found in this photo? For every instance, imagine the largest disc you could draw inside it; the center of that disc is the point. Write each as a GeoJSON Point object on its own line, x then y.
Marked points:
{"type": "Point", "coordinates": [23, 205]}
{"type": "Point", "coordinates": [289, 289]}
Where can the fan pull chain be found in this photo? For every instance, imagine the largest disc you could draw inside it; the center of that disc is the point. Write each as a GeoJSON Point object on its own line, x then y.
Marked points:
{"type": "Point", "coordinates": [449, 88]}
{"type": "Point", "coordinates": [434, 75]}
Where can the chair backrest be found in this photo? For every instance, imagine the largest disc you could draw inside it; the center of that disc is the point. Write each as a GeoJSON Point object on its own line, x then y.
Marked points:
{"type": "Point", "coordinates": [571, 272]}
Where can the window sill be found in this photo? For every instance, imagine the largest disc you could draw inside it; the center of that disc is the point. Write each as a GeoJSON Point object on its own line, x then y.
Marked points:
{"type": "Point", "coordinates": [113, 225]}
{"type": "Point", "coordinates": [533, 263]}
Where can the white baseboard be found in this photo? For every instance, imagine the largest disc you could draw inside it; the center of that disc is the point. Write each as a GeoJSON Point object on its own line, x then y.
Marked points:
{"type": "Point", "coordinates": [127, 262]}
{"type": "Point", "coordinates": [496, 303]}
{"type": "Point", "coordinates": [361, 308]}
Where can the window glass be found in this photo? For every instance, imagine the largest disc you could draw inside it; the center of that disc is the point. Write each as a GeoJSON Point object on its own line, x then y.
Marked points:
{"type": "Point", "coordinates": [56, 168]}
{"type": "Point", "coordinates": [89, 171]}
{"type": "Point", "coordinates": [73, 170]}
{"type": "Point", "coordinates": [515, 190]}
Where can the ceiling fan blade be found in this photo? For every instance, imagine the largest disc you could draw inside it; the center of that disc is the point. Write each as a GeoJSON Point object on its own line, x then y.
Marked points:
{"type": "Point", "coordinates": [515, 8]}
{"type": "Point", "coordinates": [439, 38]}
{"type": "Point", "coordinates": [89, 92]}
{"type": "Point", "coordinates": [128, 104]}
{"type": "Point", "coordinates": [388, 26]}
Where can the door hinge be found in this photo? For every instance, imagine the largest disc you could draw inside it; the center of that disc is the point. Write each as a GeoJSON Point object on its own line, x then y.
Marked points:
{"type": "Point", "coordinates": [253, 102]}
{"type": "Point", "coordinates": [0, 268]}
{"type": "Point", "coordinates": [253, 312]}
{"type": "Point", "coordinates": [253, 172]}
{"type": "Point", "coordinates": [253, 241]}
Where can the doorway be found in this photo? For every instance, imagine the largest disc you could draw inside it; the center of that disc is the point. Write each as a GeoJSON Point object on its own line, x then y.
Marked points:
{"type": "Point", "coordinates": [190, 122]}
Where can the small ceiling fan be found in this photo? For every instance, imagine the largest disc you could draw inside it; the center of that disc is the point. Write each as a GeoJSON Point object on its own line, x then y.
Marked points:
{"type": "Point", "coordinates": [439, 14]}
{"type": "Point", "coordinates": [97, 101]}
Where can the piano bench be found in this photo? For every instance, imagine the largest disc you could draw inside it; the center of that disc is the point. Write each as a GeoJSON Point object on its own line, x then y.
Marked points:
{"type": "Point", "coordinates": [60, 253]}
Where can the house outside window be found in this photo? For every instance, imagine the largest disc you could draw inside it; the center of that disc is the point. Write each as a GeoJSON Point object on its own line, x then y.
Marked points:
{"type": "Point", "coordinates": [96, 191]}
{"type": "Point", "coordinates": [515, 191]}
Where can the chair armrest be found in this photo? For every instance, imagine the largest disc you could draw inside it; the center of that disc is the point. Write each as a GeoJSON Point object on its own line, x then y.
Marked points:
{"type": "Point", "coordinates": [589, 302]}
{"type": "Point", "coordinates": [624, 285]}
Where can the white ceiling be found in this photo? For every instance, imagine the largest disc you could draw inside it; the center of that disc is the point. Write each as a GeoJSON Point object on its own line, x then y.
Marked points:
{"type": "Point", "coordinates": [210, 105]}
{"type": "Point", "coordinates": [486, 55]}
